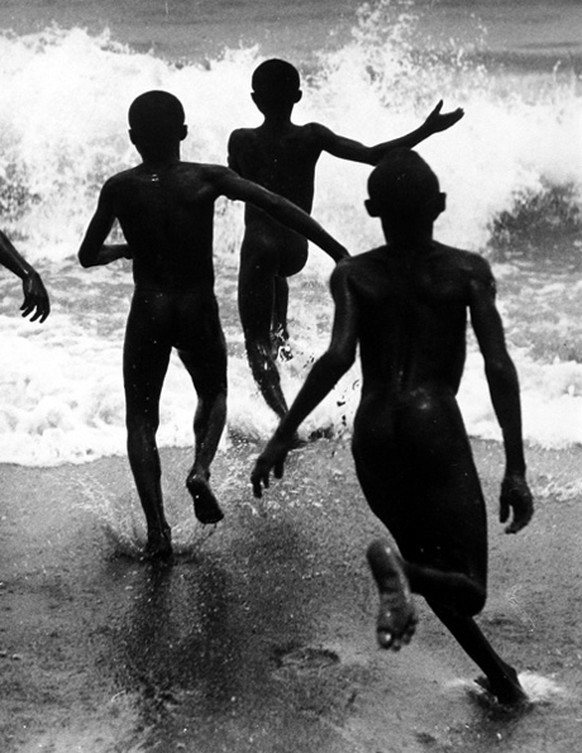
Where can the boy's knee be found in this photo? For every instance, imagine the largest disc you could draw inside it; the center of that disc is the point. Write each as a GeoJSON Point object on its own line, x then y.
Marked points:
{"type": "Point", "coordinates": [475, 600]}
{"type": "Point", "coordinates": [140, 424]}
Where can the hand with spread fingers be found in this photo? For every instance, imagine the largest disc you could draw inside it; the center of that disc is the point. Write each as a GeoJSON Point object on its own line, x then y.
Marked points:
{"type": "Point", "coordinates": [439, 121]}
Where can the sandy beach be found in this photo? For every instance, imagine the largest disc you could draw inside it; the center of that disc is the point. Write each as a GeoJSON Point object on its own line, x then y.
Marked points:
{"type": "Point", "coordinates": [260, 637]}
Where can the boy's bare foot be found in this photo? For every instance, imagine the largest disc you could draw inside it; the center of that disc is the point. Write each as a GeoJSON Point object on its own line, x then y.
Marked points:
{"type": "Point", "coordinates": [507, 691]}
{"type": "Point", "coordinates": [206, 507]}
{"type": "Point", "coordinates": [159, 545]}
{"type": "Point", "coordinates": [397, 616]}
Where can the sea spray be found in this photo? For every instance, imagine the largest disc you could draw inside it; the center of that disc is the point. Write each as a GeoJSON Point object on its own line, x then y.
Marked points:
{"type": "Point", "coordinates": [512, 161]}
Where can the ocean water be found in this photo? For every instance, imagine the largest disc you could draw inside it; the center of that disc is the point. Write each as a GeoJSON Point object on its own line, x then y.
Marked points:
{"type": "Point", "coordinates": [512, 169]}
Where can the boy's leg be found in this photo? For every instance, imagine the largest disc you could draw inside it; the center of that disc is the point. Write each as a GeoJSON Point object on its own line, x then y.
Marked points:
{"type": "Point", "coordinates": [255, 302]}
{"type": "Point", "coordinates": [453, 597]}
{"type": "Point", "coordinates": [209, 381]}
{"type": "Point", "coordinates": [425, 489]}
{"type": "Point", "coordinates": [145, 362]}
{"type": "Point", "coordinates": [279, 330]}
{"type": "Point", "coordinates": [501, 678]}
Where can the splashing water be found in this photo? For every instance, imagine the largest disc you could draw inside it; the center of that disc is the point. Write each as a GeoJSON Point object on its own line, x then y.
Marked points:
{"type": "Point", "coordinates": [512, 169]}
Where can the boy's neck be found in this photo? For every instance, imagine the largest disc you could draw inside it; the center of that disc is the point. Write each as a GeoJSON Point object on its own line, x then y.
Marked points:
{"type": "Point", "coordinates": [160, 162]}
{"type": "Point", "coordinates": [275, 121]}
{"type": "Point", "coordinates": [419, 236]}
{"type": "Point", "coordinates": [160, 159]}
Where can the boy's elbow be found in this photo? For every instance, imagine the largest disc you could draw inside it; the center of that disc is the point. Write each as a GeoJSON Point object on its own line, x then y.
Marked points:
{"type": "Point", "coordinates": [501, 370]}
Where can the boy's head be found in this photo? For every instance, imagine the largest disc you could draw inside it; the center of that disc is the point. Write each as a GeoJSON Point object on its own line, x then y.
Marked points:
{"type": "Point", "coordinates": [156, 122]}
{"type": "Point", "coordinates": [276, 85]}
{"type": "Point", "coordinates": [403, 189]}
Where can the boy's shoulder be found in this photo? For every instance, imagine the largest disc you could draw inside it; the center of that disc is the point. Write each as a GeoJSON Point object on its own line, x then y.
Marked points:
{"type": "Point", "coordinates": [119, 182]}
{"type": "Point", "coordinates": [122, 176]}
{"type": "Point", "coordinates": [192, 180]}
{"type": "Point", "coordinates": [469, 261]}
{"type": "Point", "coordinates": [180, 169]}
{"type": "Point", "coordinates": [242, 137]}
{"type": "Point", "coordinates": [378, 260]}
{"type": "Point", "coordinates": [369, 263]}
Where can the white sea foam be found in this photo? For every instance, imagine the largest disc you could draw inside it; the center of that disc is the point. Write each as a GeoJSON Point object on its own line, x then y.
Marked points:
{"type": "Point", "coordinates": [538, 688]}
{"type": "Point", "coordinates": [63, 105]}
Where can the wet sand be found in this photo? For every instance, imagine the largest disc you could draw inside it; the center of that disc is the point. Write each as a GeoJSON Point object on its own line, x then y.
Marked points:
{"type": "Point", "coordinates": [260, 637]}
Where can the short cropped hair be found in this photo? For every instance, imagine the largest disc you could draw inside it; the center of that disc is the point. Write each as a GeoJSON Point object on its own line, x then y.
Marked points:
{"type": "Point", "coordinates": [276, 76]}
{"type": "Point", "coordinates": [156, 114]}
{"type": "Point", "coordinates": [403, 182]}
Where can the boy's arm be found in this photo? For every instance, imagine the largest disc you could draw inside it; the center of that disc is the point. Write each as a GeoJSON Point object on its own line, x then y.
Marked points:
{"type": "Point", "coordinates": [94, 251]}
{"type": "Point", "coordinates": [504, 389]}
{"type": "Point", "coordinates": [232, 151]}
{"type": "Point", "coordinates": [36, 300]}
{"type": "Point", "coordinates": [344, 148]}
{"type": "Point", "coordinates": [233, 186]}
{"type": "Point", "coordinates": [324, 374]}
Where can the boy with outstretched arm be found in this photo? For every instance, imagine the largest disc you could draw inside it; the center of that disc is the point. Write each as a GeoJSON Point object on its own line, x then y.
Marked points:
{"type": "Point", "coordinates": [282, 157]}
{"type": "Point", "coordinates": [166, 209]}
{"type": "Point", "coordinates": [406, 305]}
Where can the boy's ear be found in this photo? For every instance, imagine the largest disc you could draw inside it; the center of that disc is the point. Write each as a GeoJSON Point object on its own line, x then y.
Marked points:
{"type": "Point", "coordinates": [438, 204]}
{"type": "Point", "coordinates": [131, 136]}
{"type": "Point", "coordinates": [298, 96]}
{"type": "Point", "coordinates": [183, 132]}
{"type": "Point", "coordinates": [371, 208]}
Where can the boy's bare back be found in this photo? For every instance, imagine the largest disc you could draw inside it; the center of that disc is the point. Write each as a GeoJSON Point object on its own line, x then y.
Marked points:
{"type": "Point", "coordinates": [283, 161]}
{"type": "Point", "coordinates": [412, 313]}
{"type": "Point", "coordinates": [167, 216]}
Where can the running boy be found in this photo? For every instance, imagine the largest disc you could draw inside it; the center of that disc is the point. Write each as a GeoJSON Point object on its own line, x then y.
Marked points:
{"type": "Point", "coordinates": [166, 208]}
{"type": "Point", "coordinates": [282, 157]}
{"type": "Point", "coordinates": [406, 304]}
{"type": "Point", "coordinates": [36, 300]}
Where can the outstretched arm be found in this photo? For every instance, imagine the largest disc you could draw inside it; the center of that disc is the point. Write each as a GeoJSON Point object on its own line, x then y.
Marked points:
{"type": "Point", "coordinates": [323, 376]}
{"type": "Point", "coordinates": [234, 187]}
{"type": "Point", "coordinates": [504, 389]}
{"type": "Point", "coordinates": [352, 150]}
{"type": "Point", "coordinates": [36, 300]}
{"type": "Point", "coordinates": [94, 251]}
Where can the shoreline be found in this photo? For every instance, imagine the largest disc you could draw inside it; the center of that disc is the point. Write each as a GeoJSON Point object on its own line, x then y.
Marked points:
{"type": "Point", "coordinates": [566, 455]}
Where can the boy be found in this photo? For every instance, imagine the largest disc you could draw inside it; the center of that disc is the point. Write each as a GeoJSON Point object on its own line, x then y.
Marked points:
{"type": "Point", "coordinates": [282, 157]}
{"type": "Point", "coordinates": [406, 305]}
{"type": "Point", "coordinates": [36, 300]}
{"type": "Point", "coordinates": [165, 208]}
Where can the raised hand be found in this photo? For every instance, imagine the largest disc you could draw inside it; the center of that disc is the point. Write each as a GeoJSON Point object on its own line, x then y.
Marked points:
{"type": "Point", "coordinates": [440, 121]}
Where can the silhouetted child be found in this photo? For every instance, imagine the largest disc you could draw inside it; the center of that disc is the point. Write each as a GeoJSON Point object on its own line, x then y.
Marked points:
{"type": "Point", "coordinates": [166, 210]}
{"type": "Point", "coordinates": [282, 157]}
{"type": "Point", "coordinates": [405, 305]}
